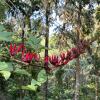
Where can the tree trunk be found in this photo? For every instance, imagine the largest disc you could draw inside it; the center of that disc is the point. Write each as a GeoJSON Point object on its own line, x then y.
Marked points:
{"type": "Point", "coordinates": [21, 79]}
{"type": "Point", "coordinates": [28, 23]}
{"type": "Point", "coordinates": [96, 88]}
{"type": "Point", "coordinates": [77, 86]}
{"type": "Point", "coordinates": [46, 48]}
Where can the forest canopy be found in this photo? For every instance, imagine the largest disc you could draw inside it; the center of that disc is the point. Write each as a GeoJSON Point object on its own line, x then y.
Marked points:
{"type": "Point", "coordinates": [49, 49]}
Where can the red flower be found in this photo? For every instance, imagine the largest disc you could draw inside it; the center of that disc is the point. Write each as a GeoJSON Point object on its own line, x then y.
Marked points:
{"type": "Point", "coordinates": [68, 57]}
{"type": "Point", "coordinates": [27, 57]}
{"type": "Point", "coordinates": [46, 59]}
{"type": "Point", "coordinates": [36, 56]}
{"type": "Point", "coordinates": [13, 50]}
{"type": "Point", "coordinates": [20, 47]}
{"type": "Point", "coordinates": [55, 60]}
{"type": "Point", "coordinates": [63, 56]}
{"type": "Point", "coordinates": [65, 62]}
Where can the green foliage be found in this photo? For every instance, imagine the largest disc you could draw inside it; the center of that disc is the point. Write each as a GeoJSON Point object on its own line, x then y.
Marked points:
{"type": "Point", "coordinates": [4, 70]}
{"type": "Point", "coordinates": [2, 10]}
{"type": "Point", "coordinates": [1, 27]}
{"type": "Point", "coordinates": [98, 14]}
{"type": "Point", "coordinates": [91, 86]}
{"type": "Point", "coordinates": [86, 1]}
{"type": "Point", "coordinates": [25, 82]}
{"type": "Point", "coordinates": [5, 74]}
{"type": "Point", "coordinates": [29, 87]}
{"type": "Point", "coordinates": [3, 66]}
{"type": "Point", "coordinates": [34, 43]}
{"type": "Point", "coordinates": [34, 84]}
{"type": "Point", "coordinates": [21, 72]}
{"type": "Point", "coordinates": [5, 36]}
{"type": "Point", "coordinates": [42, 77]}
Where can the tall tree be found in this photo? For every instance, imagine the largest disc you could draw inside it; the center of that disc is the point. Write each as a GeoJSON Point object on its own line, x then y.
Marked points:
{"type": "Point", "coordinates": [47, 14]}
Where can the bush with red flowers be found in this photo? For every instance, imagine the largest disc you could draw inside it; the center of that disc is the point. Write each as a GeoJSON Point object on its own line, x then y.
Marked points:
{"type": "Point", "coordinates": [55, 60]}
{"type": "Point", "coordinates": [25, 56]}
{"type": "Point", "coordinates": [64, 58]}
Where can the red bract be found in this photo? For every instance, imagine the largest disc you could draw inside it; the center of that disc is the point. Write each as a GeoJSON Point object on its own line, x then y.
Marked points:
{"type": "Point", "coordinates": [36, 57]}
{"type": "Point", "coordinates": [63, 56]}
{"type": "Point", "coordinates": [65, 62]}
{"type": "Point", "coordinates": [20, 48]}
{"type": "Point", "coordinates": [68, 57]}
{"type": "Point", "coordinates": [46, 59]}
{"type": "Point", "coordinates": [55, 60]}
{"type": "Point", "coordinates": [13, 50]}
{"type": "Point", "coordinates": [27, 57]}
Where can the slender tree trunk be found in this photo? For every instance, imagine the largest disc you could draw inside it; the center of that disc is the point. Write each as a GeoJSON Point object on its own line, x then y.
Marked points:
{"type": "Point", "coordinates": [22, 94]}
{"type": "Point", "coordinates": [96, 88]}
{"type": "Point", "coordinates": [28, 23]}
{"type": "Point", "coordinates": [77, 86]}
{"type": "Point", "coordinates": [46, 47]}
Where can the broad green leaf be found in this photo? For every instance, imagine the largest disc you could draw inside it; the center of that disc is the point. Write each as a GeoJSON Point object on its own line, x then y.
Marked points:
{"type": "Point", "coordinates": [1, 28]}
{"type": "Point", "coordinates": [34, 82]}
{"type": "Point", "coordinates": [29, 87]}
{"type": "Point", "coordinates": [5, 74]}
{"type": "Point", "coordinates": [42, 76]}
{"type": "Point", "coordinates": [5, 36]}
{"type": "Point", "coordinates": [33, 85]}
{"type": "Point", "coordinates": [6, 66]}
{"type": "Point", "coordinates": [3, 65]}
{"type": "Point", "coordinates": [22, 72]}
{"type": "Point", "coordinates": [10, 67]}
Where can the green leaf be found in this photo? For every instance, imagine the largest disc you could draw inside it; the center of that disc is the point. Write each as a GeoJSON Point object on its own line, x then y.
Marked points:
{"type": "Point", "coordinates": [5, 74]}
{"type": "Point", "coordinates": [29, 87]}
{"type": "Point", "coordinates": [5, 36]}
{"type": "Point", "coordinates": [4, 70]}
{"type": "Point", "coordinates": [10, 67]}
{"type": "Point", "coordinates": [91, 86]}
{"type": "Point", "coordinates": [1, 28]}
{"type": "Point", "coordinates": [6, 66]}
{"type": "Point", "coordinates": [42, 76]}
{"type": "Point", "coordinates": [3, 65]}
{"type": "Point", "coordinates": [34, 42]}
{"type": "Point", "coordinates": [34, 82]}
{"type": "Point", "coordinates": [22, 72]}
{"type": "Point", "coordinates": [33, 85]}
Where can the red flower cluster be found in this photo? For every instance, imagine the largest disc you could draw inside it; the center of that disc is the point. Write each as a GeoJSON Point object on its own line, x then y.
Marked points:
{"type": "Point", "coordinates": [15, 49]}
{"type": "Point", "coordinates": [26, 56]}
{"type": "Point", "coordinates": [64, 58]}
{"type": "Point", "coordinates": [56, 61]}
